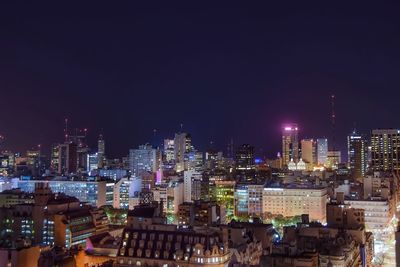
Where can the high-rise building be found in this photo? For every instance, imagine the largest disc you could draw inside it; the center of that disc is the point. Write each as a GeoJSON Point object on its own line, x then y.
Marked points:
{"type": "Point", "coordinates": [144, 159]}
{"type": "Point", "coordinates": [213, 159]}
{"type": "Point", "coordinates": [101, 150]}
{"type": "Point", "coordinates": [192, 180]}
{"type": "Point", "coordinates": [290, 143]}
{"type": "Point", "coordinates": [241, 198]}
{"type": "Point", "coordinates": [82, 149]}
{"type": "Point", "coordinates": [34, 162]}
{"type": "Point", "coordinates": [357, 149]}
{"type": "Point", "coordinates": [194, 160]}
{"type": "Point", "coordinates": [385, 150]}
{"type": "Point", "coordinates": [182, 145]}
{"type": "Point", "coordinates": [92, 162]}
{"type": "Point", "coordinates": [169, 152]}
{"type": "Point", "coordinates": [322, 151]}
{"type": "Point", "coordinates": [67, 158]}
{"type": "Point", "coordinates": [54, 161]}
{"type": "Point", "coordinates": [245, 162]}
{"type": "Point", "coordinates": [309, 151]}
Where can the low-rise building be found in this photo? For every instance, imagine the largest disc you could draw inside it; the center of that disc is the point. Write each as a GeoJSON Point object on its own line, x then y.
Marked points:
{"type": "Point", "coordinates": [198, 213]}
{"type": "Point", "coordinates": [13, 197]}
{"type": "Point", "coordinates": [295, 200]}
{"type": "Point", "coordinates": [378, 213]}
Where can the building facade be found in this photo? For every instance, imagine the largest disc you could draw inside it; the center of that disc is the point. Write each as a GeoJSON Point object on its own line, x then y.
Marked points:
{"type": "Point", "coordinates": [357, 151]}
{"type": "Point", "coordinates": [385, 149]}
{"type": "Point", "coordinates": [294, 201]}
{"type": "Point", "coordinates": [290, 143]}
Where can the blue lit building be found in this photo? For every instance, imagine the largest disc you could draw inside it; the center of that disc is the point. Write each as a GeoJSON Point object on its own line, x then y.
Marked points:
{"type": "Point", "coordinates": [92, 162]}
{"type": "Point", "coordinates": [241, 199]}
{"type": "Point", "coordinates": [322, 151]}
{"type": "Point", "coordinates": [96, 193]}
{"type": "Point", "coordinates": [114, 174]}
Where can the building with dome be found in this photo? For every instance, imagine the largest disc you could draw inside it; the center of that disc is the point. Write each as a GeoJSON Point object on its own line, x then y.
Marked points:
{"type": "Point", "coordinates": [299, 166]}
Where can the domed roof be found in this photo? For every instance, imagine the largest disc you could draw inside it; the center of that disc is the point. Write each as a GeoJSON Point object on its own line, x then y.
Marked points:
{"type": "Point", "coordinates": [291, 165]}
{"type": "Point", "coordinates": [301, 165]}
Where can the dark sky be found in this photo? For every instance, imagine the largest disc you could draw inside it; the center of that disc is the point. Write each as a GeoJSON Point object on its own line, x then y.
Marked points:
{"type": "Point", "coordinates": [223, 71]}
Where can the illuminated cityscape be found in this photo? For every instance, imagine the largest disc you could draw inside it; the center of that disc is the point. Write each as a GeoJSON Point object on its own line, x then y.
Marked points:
{"type": "Point", "coordinates": [187, 136]}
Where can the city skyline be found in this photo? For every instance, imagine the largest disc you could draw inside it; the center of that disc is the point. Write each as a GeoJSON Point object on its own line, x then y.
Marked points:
{"type": "Point", "coordinates": [157, 141]}
{"type": "Point", "coordinates": [224, 73]}
{"type": "Point", "coordinates": [180, 135]}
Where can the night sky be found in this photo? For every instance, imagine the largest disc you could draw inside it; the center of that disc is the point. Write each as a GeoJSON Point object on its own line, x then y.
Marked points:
{"type": "Point", "coordinates": [223, 71]}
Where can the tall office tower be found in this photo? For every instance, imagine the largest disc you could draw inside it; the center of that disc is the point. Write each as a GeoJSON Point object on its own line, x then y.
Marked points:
{"type": "Point", "coordinates": [357, 150]}
{"type": "Point", "coordinates": [192, 180]}
{"type": "Point", "coordinates": [92, 162]}
{"type": "Point", "coordinates": [55, 148]}
{"type": "Point", "coordinates": [290, 143]}
{"type": "Point", "coordinates": [169, 152]}
{"type": "Point", "coordinates": [385, 149]}
{"type": "Point", "coordinates": [309, 151]}
{"type": "Point", "coordinates": [33, 161]}
{"type": "Point", "coordinates": [101, 150]}
{"type": "Point", "coordinates": [322, 151]}
{"type": "Point", "coordinates": [182, 145]}
{"type": "Point", "coordinates": [82, 149]}
{"type": "Point", "coordinates": [212, 159]}
{"type": "Point", "coordinates": [67, 158]}
{"type": "Point", "coordinates": [144, 159]}
{"type": "Point", "coordinates": [194, 160]}
{"type": "Point", "coordinates": [245, 162]}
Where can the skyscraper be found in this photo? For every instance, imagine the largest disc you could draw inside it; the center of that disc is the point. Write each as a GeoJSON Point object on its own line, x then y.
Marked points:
{"type": "Point", "coordinates": [309, 151]}
{"type": "Point", "coordinates": [357, 149]}
{"type": "Point", "coordinates": [92, 162]}
{"type": "Point", "coordinates": [34, 162]}
{"type": "Point", "coordinates": [245, 162]}
{"type": "Point", "coordinates": [67, 158]}
{"type": "Point", "coordinates": [290, 143]}
{"type": "Point", "coordinates": [55, 149]}
{"type": "Point", "coordinates": [192, 179]}
{"type": "Point", "coordinates": [101, 150]}
{"type": "Point", "coordinates": [169, 151]}
{"type": "Point", "coordinates": [322, 151]}
{"type": "Point", "coordinates": [182, 145]}
{"type": "Point", "coordinates": [144, 159]}
{"type": "Point", "coordinates": [82, 149]}
{"type": "Point", "coordinates": [385, 149]}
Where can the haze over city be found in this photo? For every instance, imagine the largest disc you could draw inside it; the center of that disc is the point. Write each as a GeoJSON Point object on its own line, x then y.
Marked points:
{"type": "Point", "coordinates": [224, 72]}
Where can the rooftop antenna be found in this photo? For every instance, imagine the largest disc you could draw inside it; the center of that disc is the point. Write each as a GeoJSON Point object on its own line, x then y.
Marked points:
{"type": "Point", "coordinates": [333, 121]}
{"type": "Point", "coordinates": [181, 127]}
{"type": "Point", "coordinates": [66, 129]}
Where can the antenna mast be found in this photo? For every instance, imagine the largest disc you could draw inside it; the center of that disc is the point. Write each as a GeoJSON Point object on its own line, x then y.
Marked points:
{"type": "Point", "coordinates": [66, 130]}
{"type": "Point", "coordinates": [333, 121]}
